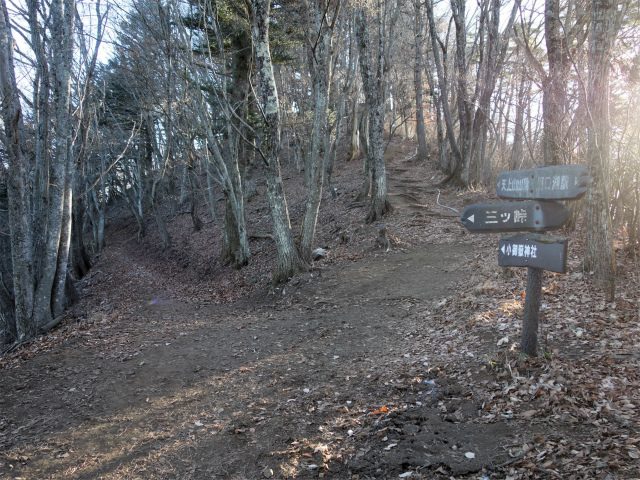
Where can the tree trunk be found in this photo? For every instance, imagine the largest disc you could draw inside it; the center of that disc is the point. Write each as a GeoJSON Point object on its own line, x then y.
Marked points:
{"type": "Point", "coordinates": [600, 254]}
{"type": "Point", "coordinates": [417, 83]}
{"type": "Point", "coordinates": [553, 91]}
{"type": "Point", "coordinates": [165, 237]}
{"type": "Point", "coordinates": [363, 135]}
{"type": "Point", "coordinates": [443, 83]}
{"type": "Point", "coordinates": [193, 192]}
{"type": "Point", "coordinates": [62, 16]}
{"type": "Point", "coordinates": [60, 288]}
{"type": "Point", "coordinates": [355, 144]}
{"type": "Point", "coordinates": [210, 196]}
{"type": "Point", "coordinates": [372, 80]}
{"type": "Point", "coordinates": [465, 103]}
{"type": "Point", "coordinates": [320, 31]}
{"type": "Point", "coordinates": [331, 158]}
{"type": "Point", "coordinates": [517, 153]}
{"type": "Point", "coordinates": [289, 262]}
{"type": "Point", "coordinates": [42, 124]}
{"type": "Point", "coordinates": [17, 174]}
{"type": "Point", "coordinates": [443, 154]}
{"type": "Point", "coordinates": [235, 244]}
{"type": "Point", "coordinates": [81, 261]}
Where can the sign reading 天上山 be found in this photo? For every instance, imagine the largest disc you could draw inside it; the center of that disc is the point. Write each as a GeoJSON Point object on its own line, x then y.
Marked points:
{"type": "Point", "coordinates": [562, 182]}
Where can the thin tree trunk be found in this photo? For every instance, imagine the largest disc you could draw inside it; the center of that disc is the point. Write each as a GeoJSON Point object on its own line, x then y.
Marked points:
{"type": "Point", "coordinates": [517, 154]}
{"type": "Point", "coordinates": [355, 144]}
{"type": "Point", "coordinates": [417, 82]}
{"type": "Point", "coordinates": [320, 60]}
{"type": "Point", "coordinates": [331, 158]}
{"type": "Point", "coordinates": [443, 83]}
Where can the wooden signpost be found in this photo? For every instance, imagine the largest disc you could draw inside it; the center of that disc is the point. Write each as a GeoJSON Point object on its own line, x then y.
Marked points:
{"type": "Point", "coordinates": [540, 188]}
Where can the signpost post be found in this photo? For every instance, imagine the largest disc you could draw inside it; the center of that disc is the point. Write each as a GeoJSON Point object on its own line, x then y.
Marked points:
{"type": "Point", "coordinates": [539, 188]}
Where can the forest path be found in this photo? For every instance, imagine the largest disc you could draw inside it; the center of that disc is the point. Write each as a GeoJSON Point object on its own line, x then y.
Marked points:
{"type": "Point", "coordinates": [331, 375]}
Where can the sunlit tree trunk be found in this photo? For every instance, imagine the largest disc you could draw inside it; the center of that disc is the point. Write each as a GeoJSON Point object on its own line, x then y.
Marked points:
{"type": "Point", "coordinates": [599, 254]}
{"type": "Point", "coordinates": [554, 92]}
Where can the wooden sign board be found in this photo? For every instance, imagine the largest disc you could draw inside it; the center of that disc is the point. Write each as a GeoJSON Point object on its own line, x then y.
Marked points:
{"type": "Point", "coordinates": [562, 182]}
{"type": "Point", "coordinates": [533, 250]}
{"type": "Point", "coordinates": [527, 216]}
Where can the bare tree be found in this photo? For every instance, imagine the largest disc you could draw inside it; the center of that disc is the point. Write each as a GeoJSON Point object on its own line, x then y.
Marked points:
{"type": "Point", "coordinates": [17, 178]}
{"type": "Point", "coordinates": [289, 260]}
{"type": "Point", "coordinates": [319, 38]}
{"type": "Point", "coordinates": [418, 82]}
{"type": "Point", "coordinates": [372, 57]}
{"type": "Point", "coordinates": [40, 286]}
{"type": "Point", "coordinates": [600, 255]}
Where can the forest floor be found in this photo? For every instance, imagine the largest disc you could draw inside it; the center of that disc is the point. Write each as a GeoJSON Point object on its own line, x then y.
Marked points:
{"type": "Point", "coordinates": [375, 364]}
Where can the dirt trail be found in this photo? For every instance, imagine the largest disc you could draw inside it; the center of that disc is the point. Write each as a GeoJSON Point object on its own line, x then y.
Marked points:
{"type": "Point", "coordinates": [319, 378]}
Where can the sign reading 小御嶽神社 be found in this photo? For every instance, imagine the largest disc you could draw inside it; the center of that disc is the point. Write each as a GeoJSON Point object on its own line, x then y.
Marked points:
{"type": "Point", "coordinates": [562, 182]}
{"type": "Point", "coordinates": [529, 215]}
{"type": "Point", "coordinates": [533, 250]}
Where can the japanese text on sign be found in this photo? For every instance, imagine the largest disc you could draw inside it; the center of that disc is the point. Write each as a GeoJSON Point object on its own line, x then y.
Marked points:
{"type": "Point", "coordinates": [549, 183]}
{"type": "Point", "coordinates": [519, 216]}
{"type": "Point", "coordinates": [520, 250]}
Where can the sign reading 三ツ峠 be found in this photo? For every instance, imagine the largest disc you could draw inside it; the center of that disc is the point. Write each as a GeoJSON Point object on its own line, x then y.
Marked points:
{"type": "Point", "coordinates": [529, 215]}
{"type": "Point", "coordinates": [533, 250]}
{"type": "Point", "coordinates": [562, 182]}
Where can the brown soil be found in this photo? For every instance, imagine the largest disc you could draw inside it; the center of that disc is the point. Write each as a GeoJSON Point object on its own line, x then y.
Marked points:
{"type": "Point", "coordinates": [173, 366]}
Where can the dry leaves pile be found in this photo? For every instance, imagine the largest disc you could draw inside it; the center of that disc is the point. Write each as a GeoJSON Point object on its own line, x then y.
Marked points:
{"type": "Point", "coordinates": [585, 380]}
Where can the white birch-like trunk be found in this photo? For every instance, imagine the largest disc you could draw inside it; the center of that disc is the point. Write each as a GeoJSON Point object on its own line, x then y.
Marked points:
{"type": "Point", "coordinates": [289, 262]}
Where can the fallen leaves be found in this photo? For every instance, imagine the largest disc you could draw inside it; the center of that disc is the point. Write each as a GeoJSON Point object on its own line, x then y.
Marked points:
{"type": "Point", "coordinates": [380, 410]}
